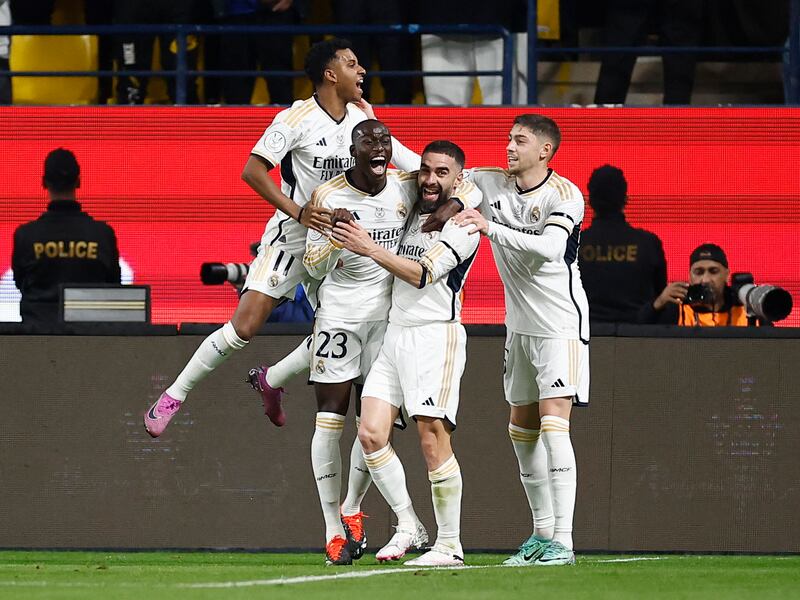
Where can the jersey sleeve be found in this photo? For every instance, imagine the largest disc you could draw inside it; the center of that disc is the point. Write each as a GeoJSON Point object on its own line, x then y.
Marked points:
{"type": "Point", "coordinates": [322, 254]}
{"type": "Point", "coordinates": [566, 213]}
{"type": "Point", "coordinates": [547, 247]}
{"type": "Point", "coordinates": [454, 247]}
{"type": "Point", "coordinates": [278, 140]}
{"type": "Point", "coordinates": [404, 158]}
{"type": "Point", "coordinates": [470, 195]}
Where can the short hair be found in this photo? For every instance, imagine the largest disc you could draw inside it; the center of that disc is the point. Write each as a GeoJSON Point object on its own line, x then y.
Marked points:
{"type": "Point", "coordinates": [608, 190]}
{"type": "Point", "coordinates": [447, 148]}
{"type": "Point", "coordinates": [61, 171]}
{"type": "Point", "coordinates": [541, 126]}
{"type": "Point", "coordinates": [371, 122]}
{"type": "Point", "coordinates": [320, 56]}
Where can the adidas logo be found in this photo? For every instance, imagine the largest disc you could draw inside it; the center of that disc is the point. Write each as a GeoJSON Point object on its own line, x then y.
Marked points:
{"type": "Point", "coordinates": [355, 215]}
{"type": "Point", "coordinates": [282, 239]}
{"type": "Point", "coordinates": [322, 142]}
{"type": "Point", "coordinates": [496, 205]}
{"type": "Point", "coordinates": [558, 384]}
{"type": "Point", "coordinates": [428, 402]}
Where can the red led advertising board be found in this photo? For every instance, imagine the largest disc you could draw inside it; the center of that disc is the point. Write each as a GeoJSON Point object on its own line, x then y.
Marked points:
{"type": "Point", "coordinates": [167, 180]}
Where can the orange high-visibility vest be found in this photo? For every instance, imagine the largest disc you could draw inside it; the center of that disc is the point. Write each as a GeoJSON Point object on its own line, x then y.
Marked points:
{"type": "Point", "coordinates": [735, 316]}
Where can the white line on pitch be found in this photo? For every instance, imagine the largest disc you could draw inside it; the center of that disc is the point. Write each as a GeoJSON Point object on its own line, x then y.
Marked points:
{"type": "Point", "coordinates": [619, 560]}
{"type": "Point", "coordinates": [348, 575]}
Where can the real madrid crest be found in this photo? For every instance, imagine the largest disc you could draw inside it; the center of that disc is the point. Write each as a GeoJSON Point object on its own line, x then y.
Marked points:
{"type": "Point", "coordinates": [535, 214]}
{"type": "Point", "coordinates": [379, 212]}
{"type": "Point", "coordinates": [320, 368]}
{"type": "Point", "coordinates": [273, 280]}
{"type": "Point", "coordinates": [402, 211]}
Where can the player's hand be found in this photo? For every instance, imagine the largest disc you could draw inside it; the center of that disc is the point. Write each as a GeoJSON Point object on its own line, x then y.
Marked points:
{"type": "Point", "coordinates": [474, 218]}
{"type": "Point", "coordinates": [441, 215]}
{"type": "Point", "coordinates": [674, 293]}
{"type": "Point", "coordinates": [366, 107]}
{"type": "Point", "coordinates": [317, 218]}
{"type": "Point", "coordinates": [353, 237]}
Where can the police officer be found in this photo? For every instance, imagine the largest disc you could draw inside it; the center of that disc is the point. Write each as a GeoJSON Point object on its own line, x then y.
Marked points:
{"type": "Point", "coordinates": [64, 245]}
{"type": "Point", "coordinates": [621, 267]}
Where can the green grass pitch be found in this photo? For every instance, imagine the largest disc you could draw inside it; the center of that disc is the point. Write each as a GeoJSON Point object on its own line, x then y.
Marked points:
{"type": "Point", "coordinates": [190, 575]}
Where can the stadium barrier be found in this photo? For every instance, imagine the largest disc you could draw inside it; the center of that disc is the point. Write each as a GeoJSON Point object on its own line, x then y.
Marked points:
{"type": "Point", "coordinates": [689, 445]}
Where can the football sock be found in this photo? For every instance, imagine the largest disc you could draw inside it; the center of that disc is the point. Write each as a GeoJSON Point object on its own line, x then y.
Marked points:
{"type": "Point", "coordinates": [326, 460]}
{"type": "Point", "coordinates": [291, 365]}
{"type": "Point", "coordinates": [359, 479]}
{"type": "Point", "coordinates": [446, 488]}
{"type": "Point", "coordinates": [213, 351]}
{"type": "Point", "coordinates": [563, 475]}
{"type": "Point", "coordinates": [390, 478]}
{"type": "Point", "coordinates": [532, 459]}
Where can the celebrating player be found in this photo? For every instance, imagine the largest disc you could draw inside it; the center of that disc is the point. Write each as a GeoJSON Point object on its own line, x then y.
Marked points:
{"type": "Point", "coordinates": [311, 142]}
{"type": "Point", "coordinates": [533, 217]}
{"type": "Point", "coordinates": [353, 303]}
{"type": "Point", "coordinates": [422, 358]}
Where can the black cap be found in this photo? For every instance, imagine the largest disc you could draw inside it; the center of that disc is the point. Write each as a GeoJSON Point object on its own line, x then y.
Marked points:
{"type": "Point", "coordinates": [709, 252]}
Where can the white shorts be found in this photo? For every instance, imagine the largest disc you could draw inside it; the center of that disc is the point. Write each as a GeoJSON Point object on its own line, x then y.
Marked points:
{"type": "Point", "coordinates": [540, 368]}
{"type": "Point", "coordinates": [420, 368]}
{"type": "Point", "coordinates": [275, 272]}
{"type": "Point", "coordinates": [344, 351]}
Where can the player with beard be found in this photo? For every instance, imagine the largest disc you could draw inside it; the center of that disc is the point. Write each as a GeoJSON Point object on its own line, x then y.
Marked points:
{"type": "Point", "coordinates": [422, 357]}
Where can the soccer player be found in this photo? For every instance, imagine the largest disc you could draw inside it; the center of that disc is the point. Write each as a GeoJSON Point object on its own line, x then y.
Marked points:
{"type": "Point", "coordinates": [353, 302]}
{"type": "Point", "coordinates": [421, 360]}
{"type": "Point", "coordinates": [310, 141]}
{"type": "Point", "coordinates": [533, 217]}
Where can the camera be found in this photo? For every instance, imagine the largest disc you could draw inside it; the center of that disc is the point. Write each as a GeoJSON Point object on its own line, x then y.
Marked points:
{"type": "Point", "coordinates": [219, 273]}
{"type": "Point", "coordinates": [767, 302]}
{"type": "Point", "coordinates": [699, 294]}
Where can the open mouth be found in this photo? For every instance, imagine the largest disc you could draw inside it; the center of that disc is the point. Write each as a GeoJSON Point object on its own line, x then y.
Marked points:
{"type": "Point", "coordinates": [359, 83]}
{"type": "Point", "coordinates": [512, 161]}
{"type": "Point", "coordinates": [431, 194]}
{"type": "Point", "coordinates": [378, 165]}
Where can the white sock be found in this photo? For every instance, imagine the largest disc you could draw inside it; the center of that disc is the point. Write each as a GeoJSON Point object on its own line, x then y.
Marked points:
{"type": "Point", "coordinates": [446, 488]}
{"type": "Point", "coordinates": [213, 351]}
{"type": "Point", "coordinates": [326, 460]}
{"type": "Point", "coordinates": [291, 365]}
{"type": "Point", "coordinates": [358, 481]}
{"type": "Point", "coordinates": [563, 475]}
{"type": "Point", "coordinates": [532, 459]}
{"type": "Point", "coordinates": [390, 478]}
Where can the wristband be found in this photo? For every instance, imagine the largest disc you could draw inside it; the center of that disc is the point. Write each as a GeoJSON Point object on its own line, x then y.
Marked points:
{"type": "Point", "coordinates": [300, 214]}
{"type": "Point", "coordinates": [457, 199]}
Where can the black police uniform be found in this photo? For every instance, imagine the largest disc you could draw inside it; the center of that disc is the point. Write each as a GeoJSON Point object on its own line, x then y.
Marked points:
{"type": "Point", "coordinates": [64, 245]}
{"type": "Point", "coordinates": [621, 268]}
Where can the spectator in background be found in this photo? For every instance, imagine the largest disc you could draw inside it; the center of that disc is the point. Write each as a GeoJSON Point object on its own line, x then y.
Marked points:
{"type": "Point", "coordinates": [239, 52]}
{"type": "Point", "coordinates": [136, 50]}
{"type": "Point", "coordinates": [621, 267]}
{"type": "Point", "coordinates": [467, 52]}
{"type": "Point", "coordinates": [678, 22]}
{"type": "Point", "coordinates": [64, 245]}
{"type": "Point", "coordinates": [393, 51]}
{"type": "Point", "coordinates": [714, 307]}
{"type": "Point", "coordinates": [5, 81]}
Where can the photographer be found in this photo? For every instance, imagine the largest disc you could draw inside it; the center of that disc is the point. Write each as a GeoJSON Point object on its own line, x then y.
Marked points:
{"type": "Point", "coordinates": [706, 301]}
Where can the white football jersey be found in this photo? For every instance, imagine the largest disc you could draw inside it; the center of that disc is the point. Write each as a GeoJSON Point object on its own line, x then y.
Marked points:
{"type": "Point", "coordinates": [311, 148]}
{"type": "Point", "coordinates": [543, 298]}
{"type": "Point", "coordinates": [446, 257]}
{"type": "Point", "coordinates": [358, 289]}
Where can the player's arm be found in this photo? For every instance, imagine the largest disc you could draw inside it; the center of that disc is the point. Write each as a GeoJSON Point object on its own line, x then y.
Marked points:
{"type": "Point", "coordinates": [454, 247]}
{"type": "Point", "coordinates": [356, 239]}
{"type": "Point", "coordinates": [322, 252]}
{"type": "Point", "coordinates": [256, 175]}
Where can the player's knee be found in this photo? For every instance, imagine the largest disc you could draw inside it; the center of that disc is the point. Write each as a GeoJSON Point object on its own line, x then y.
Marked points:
{"type": "Point", "coordinates": [371, 439]}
